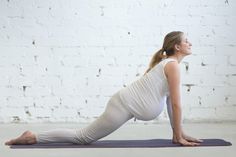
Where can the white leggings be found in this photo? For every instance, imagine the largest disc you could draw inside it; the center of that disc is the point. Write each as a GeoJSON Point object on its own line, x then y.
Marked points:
{"type": "Point", "coordinates": [113, 117]}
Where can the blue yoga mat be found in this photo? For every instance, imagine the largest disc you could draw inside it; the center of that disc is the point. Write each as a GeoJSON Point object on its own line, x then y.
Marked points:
{"type": "Point", "coordinates": [152, 143]}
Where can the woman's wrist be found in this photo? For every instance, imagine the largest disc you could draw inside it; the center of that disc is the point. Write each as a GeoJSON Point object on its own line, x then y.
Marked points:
{"type": "Point", "coordinates": [177, 136]}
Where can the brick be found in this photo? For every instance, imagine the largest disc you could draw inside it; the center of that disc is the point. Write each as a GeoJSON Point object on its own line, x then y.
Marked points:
{"type": "Point", "coordinates": [60, 91]}
{"type": "Point", "coordinates": [213, 100]}
{"type": "Point", "coordinates": [36, 91]}
{"type": "Point", "coordinates": [109, 90]}
{"type": "Point", "coordinates": [225, 90]}
{"type": "Point", "coordinates": [232, 60]}
{"type": "Point", "coordinates": [213, 3]}
{"type": "Point", "coordinates": [119, 71]}
{"type": "Point", "coordinates": [19, 101]}
{"type": "Point", "coordinates": [215, 60]}
{"type": "Point", "coordinates": [230, 21]}
{"type": "Point", "coordinates": [193, 59]}
{"type": "Point", "coordinates": [39, 112]}
{"type": "Point", "coordinates": [102, 61]}
{"type": "Point", "coordinates": [4, 80]}
{"type": "Point", "coordinates": [47, 81]}
{"type": "Point", "coordinates": [225, 49]}
{"type": "Point", "coordinates": [83, 72]}
{"type": "Point", "coordinates": [13, 112]}
{"type": "Point", "coordinates": [11, 90]}
{"type": "Point", "coordinates": [9, 72]}
{"type": "Point", "coordinates": [232, 80]}
{"type": "Point", "coordinates": [29, 71]}
{"type": "Point", "coordinates": [190, 79]}
{"type": "Point", "coordinates": [64, 112]}
{"type": "Point", "coordinates": [225, 70]}
{"type": "Point", "coordinates": [230, 100]}
{"type": "Point", "coordinates": [189, 101]}
{"type": "Point", "coordinates": [101, 81]}
{"type": "Point", "coordinates": [198, 91]}
{"type": "Point", "coordinates": [213, 80]}
{"type": "Point", "coordinates": [226, 113]}
{"type": "Point", "coordinates": [203, 50]}
{"type": "Point", "coordinates": [201, 113]}
{"type": "Point", "coordinates": [201, 70]}
{"type": "Point", "coordinates": [212, 20]}
{"type": "Point", "coordinates": [49, 102]}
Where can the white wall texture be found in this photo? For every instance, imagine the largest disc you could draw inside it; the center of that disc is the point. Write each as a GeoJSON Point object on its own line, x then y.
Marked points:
{"type": "Point", "coordinates": [61, 60]}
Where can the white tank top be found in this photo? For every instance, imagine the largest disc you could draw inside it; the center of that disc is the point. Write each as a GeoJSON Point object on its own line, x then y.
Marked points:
{"type": "Point", "coordinates": [145, 97]}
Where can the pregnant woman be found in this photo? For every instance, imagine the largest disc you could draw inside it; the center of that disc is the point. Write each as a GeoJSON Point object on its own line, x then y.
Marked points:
{"type": "Point", "coordinates": [143, 99]}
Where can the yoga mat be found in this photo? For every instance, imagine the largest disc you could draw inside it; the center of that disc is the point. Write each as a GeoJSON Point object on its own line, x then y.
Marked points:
{"type": "Point", "coordinates": [152, 143]}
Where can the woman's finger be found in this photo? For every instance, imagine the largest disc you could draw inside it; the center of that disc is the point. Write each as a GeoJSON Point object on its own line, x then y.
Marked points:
{"type": "Point", "coordinates": [191, 139]}
{"type": "Point", "coordinates": [198, 140]}
{"type": "Point", "coordinates": [187, 143]}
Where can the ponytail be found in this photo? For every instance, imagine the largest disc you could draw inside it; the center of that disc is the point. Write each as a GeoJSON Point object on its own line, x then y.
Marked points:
{"type": "Point", "coordinates": [157, 57]}
{"type": "Point", "coordinates": [170, 40]}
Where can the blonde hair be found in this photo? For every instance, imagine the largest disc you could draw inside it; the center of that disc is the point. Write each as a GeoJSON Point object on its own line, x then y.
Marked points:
{"type": "Point", "coordinates": [170, 40]}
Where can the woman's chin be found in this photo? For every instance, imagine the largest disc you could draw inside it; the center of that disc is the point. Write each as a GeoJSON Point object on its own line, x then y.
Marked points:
{"type": "Point", "coordinates": [189, 53]}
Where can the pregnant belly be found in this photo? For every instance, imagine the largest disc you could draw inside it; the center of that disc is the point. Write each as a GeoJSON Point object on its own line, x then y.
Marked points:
{"type": "Point", "coordinates": [146, 112]}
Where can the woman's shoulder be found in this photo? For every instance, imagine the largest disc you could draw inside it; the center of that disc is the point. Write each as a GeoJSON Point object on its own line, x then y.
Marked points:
{"type": "Point", "coordinates": [167, 60]}
{"type": "Point", "coordinates": [172, 68]}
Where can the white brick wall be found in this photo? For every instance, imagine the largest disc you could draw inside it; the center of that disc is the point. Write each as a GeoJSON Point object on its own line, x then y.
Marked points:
{"type": "Point", "coordinates": [61, 60]}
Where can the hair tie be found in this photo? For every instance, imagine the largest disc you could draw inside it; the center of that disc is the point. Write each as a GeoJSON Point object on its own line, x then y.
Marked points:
{"type": "Point", "coordinates": [163, 52]}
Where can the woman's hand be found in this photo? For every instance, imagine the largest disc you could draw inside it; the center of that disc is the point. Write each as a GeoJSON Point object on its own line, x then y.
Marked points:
{"type": "Point", "coordinates": [186, 140]}
{"type": "Point", "coordinates": [191, 139]}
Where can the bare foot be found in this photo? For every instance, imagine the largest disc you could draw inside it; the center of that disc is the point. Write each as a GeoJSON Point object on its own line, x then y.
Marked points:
{"type": "Point", "coordinates": [26, 138]}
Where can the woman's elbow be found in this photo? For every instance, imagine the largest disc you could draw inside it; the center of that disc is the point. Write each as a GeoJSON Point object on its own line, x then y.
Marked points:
{"type": "Point", "coordinates": [176, 106]}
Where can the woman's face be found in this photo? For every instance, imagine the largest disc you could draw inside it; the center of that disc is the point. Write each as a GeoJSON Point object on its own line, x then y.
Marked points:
{"type": "Point", "coordinates": [185, 46]}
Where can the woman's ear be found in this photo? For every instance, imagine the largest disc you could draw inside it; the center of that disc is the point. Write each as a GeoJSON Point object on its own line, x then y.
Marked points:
{"type": "Point", "coordinates": [177, 47]}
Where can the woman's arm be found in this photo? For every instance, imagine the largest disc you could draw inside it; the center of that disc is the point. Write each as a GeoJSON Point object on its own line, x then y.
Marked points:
{"type": "Point", "coordinates": [169, 111]}
{"type": "Point", "coordinates": [172, 73]}
{"type": "Point", "coordinates": [170, 114]}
